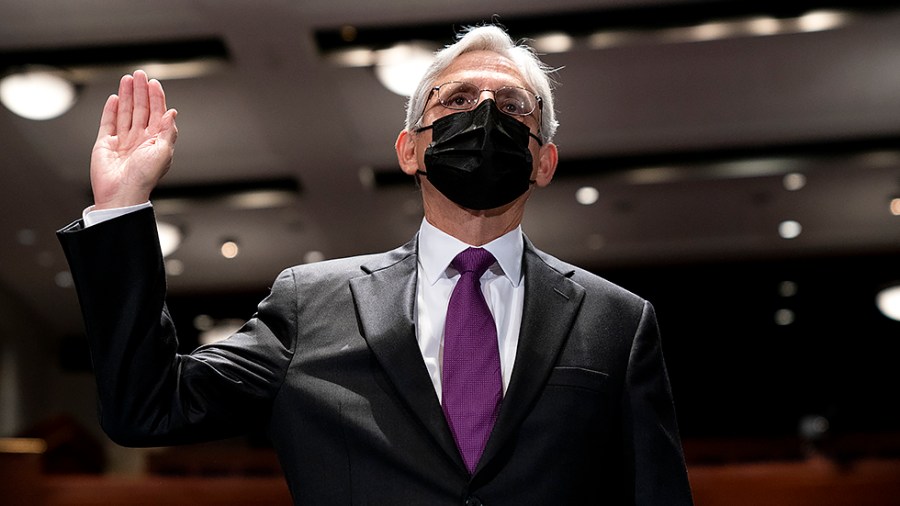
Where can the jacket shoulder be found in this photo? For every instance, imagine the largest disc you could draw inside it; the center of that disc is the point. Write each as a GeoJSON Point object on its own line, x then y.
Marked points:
{"type": "Point", "coordinates": [593, 284]}
{"type": "Point", "coordinates": [344, 269]}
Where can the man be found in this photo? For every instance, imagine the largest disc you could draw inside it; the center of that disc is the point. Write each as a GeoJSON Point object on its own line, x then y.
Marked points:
{"type": "Point", "coordinates": [413, 377]}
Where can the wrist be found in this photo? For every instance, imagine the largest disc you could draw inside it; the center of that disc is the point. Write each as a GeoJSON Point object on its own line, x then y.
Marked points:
{"type": "Point", "coordinates": [120, 201]}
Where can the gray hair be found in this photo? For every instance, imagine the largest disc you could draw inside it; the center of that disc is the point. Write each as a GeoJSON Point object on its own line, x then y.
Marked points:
{"type": "Point", "coordinates": [489, 38]}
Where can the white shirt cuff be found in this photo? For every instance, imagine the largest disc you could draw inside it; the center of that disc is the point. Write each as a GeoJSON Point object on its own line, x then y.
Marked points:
{"type": "Point", "coordinates": [92, 217]}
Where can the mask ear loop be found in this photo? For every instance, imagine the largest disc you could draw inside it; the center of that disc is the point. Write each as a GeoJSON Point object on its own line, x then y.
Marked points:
{"type": "Point", "coordinates": [420, 172]}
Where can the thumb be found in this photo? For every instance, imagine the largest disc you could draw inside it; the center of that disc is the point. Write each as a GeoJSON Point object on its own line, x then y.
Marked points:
{"type": "Point", "coordinates": [168, 130]}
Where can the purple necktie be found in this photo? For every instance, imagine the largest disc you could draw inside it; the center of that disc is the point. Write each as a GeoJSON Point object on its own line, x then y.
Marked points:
{"type": "Point", "coordinates": [471, 387]}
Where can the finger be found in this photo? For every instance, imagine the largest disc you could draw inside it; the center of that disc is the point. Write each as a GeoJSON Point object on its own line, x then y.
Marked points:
{"type": "Point", "coordinates": [126, 104]}
{"type": "Point", "coordinates": [167, 129]}
{"type": "Point", "coordinates": [157, 102]}
{"type": "Point", "coordinates": [108, 118]}
{"type": "Point", "coordinates": [141, 100]}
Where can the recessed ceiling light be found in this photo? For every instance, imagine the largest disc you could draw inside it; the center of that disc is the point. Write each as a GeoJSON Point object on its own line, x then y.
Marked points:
{"type": "Point", "coordinates": [220, 330]}
{"type": "Point", "coordinates": [608, 39]}
{"type": "Point", "coordinates": [888, 301]}
{"type": "Point", "coordinates": [229, 249]}
{"type": "Point", "coordinates": [787, 288]}
{"type": "Point", "coordinates": [587, 195]}
{"type": "Point", "coordinates": [793, 181]}
{"type": "Point", "coordinates": [37, 94]}
{"type": "Point", "coordinates": [348, 33]}
{"type": "Point", "coordinates": [789, 229]}
{"type": "Point", "coordinates": [763, 25]}
{"type": "Point", "coordinates": [174, 267]}
{"type": "Point", "coordinates": [784, 317]}
{"type": "Point", "coordinates": [820, 20]}
{"type": "Point", "coordinates": [313, 256]}
{"type": "Point", "coordinates": [712, 31]}
{"type": "Point", "coordinates": [366, 176]}
{"type": "Point", "coordinates": [401, 67]}
{"type": "Point", "coordinates": [63, 279]}
{"type": "Point", "coordinates": [26, 237]}
{"type": "Point", "coordinates": [895, 206]}
{"type": "Point", "coordinates": [261, 199]}
{"type": "Point", "coordinates": [203, 322]}
{"type": "Point", "coordinates": [556, 42]}
{"type": "Point", "coordinates": [169, 237]}
{"type": "Point", "coordinates": [353, 57]}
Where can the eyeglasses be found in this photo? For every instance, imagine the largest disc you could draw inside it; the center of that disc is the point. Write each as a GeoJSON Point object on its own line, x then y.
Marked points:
{"type": "Point", "coordinates": [511, 100]}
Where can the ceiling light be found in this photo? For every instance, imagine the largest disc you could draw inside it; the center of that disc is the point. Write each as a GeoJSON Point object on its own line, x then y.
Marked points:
{"type": "Point", "coordinates": [784, 317]}
{"type": "Point", "coordinates": [220, 330]}
{"type": "Point", "coordinates": [789, 229]}
{"type": "Point", "coordinates": [654, 175]}
{"type": "Point", "coordinates": [587, 195]}
{"type": "Point", "coordinates": [37, 94]}
{"type": "Point", "coordinates": [401, 67]}
{"type": "Point", "coordinates": [881, 159]}
{"type": "Point", "coordinates": [813, 428]}
{"type": "Point", "coordinates": [353, 57]}
{"type": "Point", "coordinates": [188, 69]}
{"type": "Point", "coordinates": [203, 322]}
{"type": "Point", "coordinates": [229, 249]}
{"type": "Point", "coordinates": [556, 42]}
{"type": "Point", "coordinates": [793, 181]}
{"type": "Point", "coordinates": [787, 288]}
{"type": "Point", "coordinates": [26, 237]}
{"type": "Point", "coordinates": [313, 256]}
{"type": "Point", "coordinates": [820, 20]}
{"type": "Point", "coordinates": [174, 267]}
{"type": "Point", "coordinates": [895, 206]}
{"type": "Point", "coordinates": [763, 26]}
{"type": "Point", "coordinates": [712, 31]}
{"type": "Point", "coordinates": [366, 176]}
{"type": "Point", "coordinates": [63, 279]}
{"type": "Point", "coordinates": [604, 40]}
{"type": "Point", "coordinates": [169, 237]}
{"type": "Point", "coordinates": [888, 301]}
{"type": "Point", "coordinates": [261, 199]}
{"type": "Point", "coordinates": [348, 33]}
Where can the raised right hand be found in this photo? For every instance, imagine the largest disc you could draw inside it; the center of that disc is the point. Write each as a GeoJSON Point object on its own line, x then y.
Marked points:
{"type": "Point", "coordinates": [135, 144]}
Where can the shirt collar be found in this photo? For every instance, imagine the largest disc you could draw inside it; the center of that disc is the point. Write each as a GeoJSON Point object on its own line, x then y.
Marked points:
{"type": "Point", "coordinates": [437, 249]}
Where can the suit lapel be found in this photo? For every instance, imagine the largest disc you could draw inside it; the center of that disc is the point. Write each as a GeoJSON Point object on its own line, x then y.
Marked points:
{"type": "Point", "coordinates": [385, 304]}
{"type": "Point", "coordinates": [551, 304]}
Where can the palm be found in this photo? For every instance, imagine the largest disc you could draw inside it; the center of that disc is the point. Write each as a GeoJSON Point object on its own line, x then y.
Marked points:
{"type": "Point", "coordinates": [135, 143]}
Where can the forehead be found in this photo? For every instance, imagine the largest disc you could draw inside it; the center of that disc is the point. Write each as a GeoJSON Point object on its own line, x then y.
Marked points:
{"type": "Point", "coordinates": [483, 68]}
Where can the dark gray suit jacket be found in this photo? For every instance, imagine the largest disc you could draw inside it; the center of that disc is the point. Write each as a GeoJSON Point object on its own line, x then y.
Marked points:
{"type": "Point", "coordinates": [330, 367]}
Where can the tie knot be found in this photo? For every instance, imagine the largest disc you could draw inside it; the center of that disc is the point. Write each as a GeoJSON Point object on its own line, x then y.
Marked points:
{"type": "Point", "coordinates": [474, 260]}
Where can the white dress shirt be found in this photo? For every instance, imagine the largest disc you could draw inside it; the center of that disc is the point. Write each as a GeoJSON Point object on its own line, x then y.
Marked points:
{"type": "Point", "coordinates": [91, 216]}
{"type": "Point", "coordinates": [503, 287]}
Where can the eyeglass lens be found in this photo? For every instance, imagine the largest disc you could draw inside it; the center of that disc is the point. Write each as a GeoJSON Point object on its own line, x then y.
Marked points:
{"type": "Point", "coordinates": [464, 96]}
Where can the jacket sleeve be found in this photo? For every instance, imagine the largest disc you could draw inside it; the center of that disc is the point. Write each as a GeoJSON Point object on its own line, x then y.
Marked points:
{"type": "Point", "coordinates": [149, 394]}
{"type": "Point", "coordinates": [652, 444]}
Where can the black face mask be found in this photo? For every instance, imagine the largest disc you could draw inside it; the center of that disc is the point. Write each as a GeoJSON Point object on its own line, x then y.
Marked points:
{"type": "Point", "coordinates": [479, 159]}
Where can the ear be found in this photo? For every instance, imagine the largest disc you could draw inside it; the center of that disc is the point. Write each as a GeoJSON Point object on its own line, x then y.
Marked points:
{"type": "Point", "coordinates": [406, 152]}
{"type": "Point", "coordinates": [549, 156]}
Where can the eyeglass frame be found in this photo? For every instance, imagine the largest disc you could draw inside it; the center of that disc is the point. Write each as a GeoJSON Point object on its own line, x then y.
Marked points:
{"type": "Point", "coordinates": [539, 102]}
